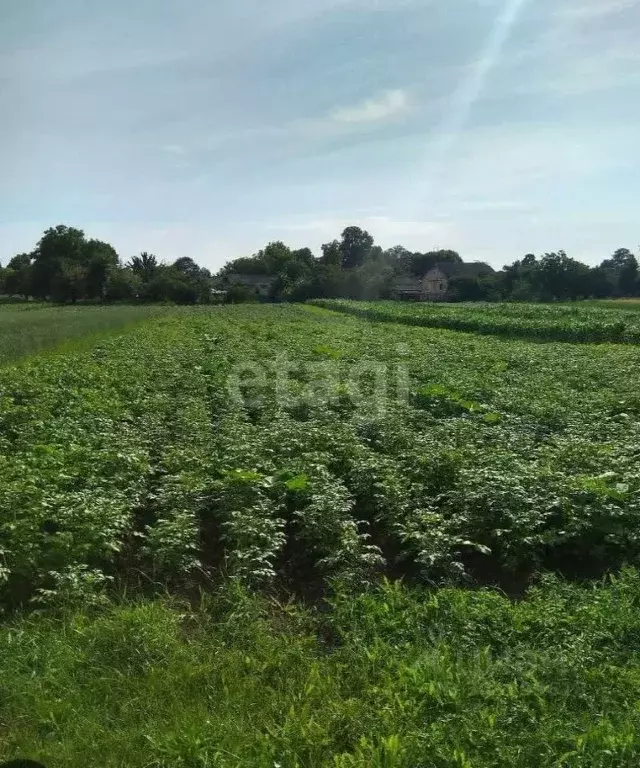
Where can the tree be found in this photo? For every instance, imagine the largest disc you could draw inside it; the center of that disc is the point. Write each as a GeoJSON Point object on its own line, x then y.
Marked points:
{"type": "Point", "coordinates": [331, 254]}
{"type": "Point", "coordinates": [101, 260]}
{"type": "Point", "coordinates": [355, 247]}
{"type": "Point", "coordinates": [304, 256]}
{"type": "Point", "coordinates": [289, 269]}
{"type": "Point", "coordinates": [325, 281]}
{"type": "Point", "coordinates": [400, 259]}
{"type": "Point", "coordinates": [275, 257]}
{"type": "Point", "coordinates": [560, 277]}
{"type": "Point", "coordinates": [421, 263]}
{"type": "Point", "coordinates": [67, 267]}
{"type": "Point", "coordinates": [374, 277]}
{"type": "Point", "coordinates": [480, 287]}
{"type": "Point", "coordinates": [187, 266]}
{"type": "Point", "coordinates": [123, 285]}
{"type": "Point", "coordinates": [598, 284]}
{"type": "Point", "coordinates": [69, 282]}
{"type": "Point", "coordinates": [17, 276]}
{"type": "Point", "coordinates": [245, 265]}
{"type": "Point", "coordinates": [622, 272]}
{"type": "Point", "coordinates": [59, 264]}
{"type": "Point", "coordinates": [145, 266]}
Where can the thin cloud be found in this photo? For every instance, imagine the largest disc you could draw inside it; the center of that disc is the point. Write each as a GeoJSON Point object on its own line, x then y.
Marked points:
{"type": "Point", "coordinates": [595, 9]}
{"type": "Point", "coordinates": [174, 149]}
{"type": "Point", "coordinates": [373, 110]}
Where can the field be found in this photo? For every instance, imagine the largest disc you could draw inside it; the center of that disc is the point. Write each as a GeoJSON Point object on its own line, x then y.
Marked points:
{"type": "Point", "coordinates": [279, 535]}
{"type": "Point", "coordinates": [590, 321]}
{"type": "Point", "coordinates": [30, 328]}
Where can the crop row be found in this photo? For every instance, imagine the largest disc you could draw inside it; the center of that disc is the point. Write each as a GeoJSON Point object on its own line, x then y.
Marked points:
{"type": "Point", "coordinates": [281, 443]}
{"type": "Point", "coordinates": [579, 323]}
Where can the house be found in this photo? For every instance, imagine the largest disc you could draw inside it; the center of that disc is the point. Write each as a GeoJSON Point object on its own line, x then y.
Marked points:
{"type": "Point", "coordinates": [436, 284]}
{"type": "Point", "coordinates": [407, 289]}
{"type": "Point", "coordinates": [217, 297]}
{"type": "Point", "coordinates": [258, 284]}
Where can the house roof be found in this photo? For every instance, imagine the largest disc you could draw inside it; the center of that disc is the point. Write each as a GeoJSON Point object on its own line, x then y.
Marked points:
{"type": "Point", "coordinates": [407, 284]}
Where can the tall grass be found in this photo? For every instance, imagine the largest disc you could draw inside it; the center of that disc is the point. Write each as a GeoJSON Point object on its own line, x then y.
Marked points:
{"type": "Point", "coordinates": [396, 678]}
{"type": "Point", "coordinates": [27, 329]}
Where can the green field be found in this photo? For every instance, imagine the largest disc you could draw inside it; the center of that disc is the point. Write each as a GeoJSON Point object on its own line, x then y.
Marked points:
{"type": "Point", "coordinates": [278, 535]}
{"type": "Point", "coordinates": [31, 327]}
{"type": "Point", "coordinates": [589, 321]}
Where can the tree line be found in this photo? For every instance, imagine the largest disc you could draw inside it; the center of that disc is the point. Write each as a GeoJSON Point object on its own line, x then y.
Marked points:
{"type": "Point", "coordinates": [355, 267]}
{"type": "Point", "coordinates": [65, 266]}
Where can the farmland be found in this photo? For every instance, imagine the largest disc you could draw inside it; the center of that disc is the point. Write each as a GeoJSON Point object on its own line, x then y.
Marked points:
{"type": "Point", "coordinates": [262, 535]}
{"type": "Point", "coordinates": [31, 327]}
{"type": "Point", "coordinates": [613, 321]}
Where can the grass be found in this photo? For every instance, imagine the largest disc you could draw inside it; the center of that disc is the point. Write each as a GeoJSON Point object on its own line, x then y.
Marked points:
{"type": "Point", "coordinates": [392, 678]}
{"type": "Point", "coordinates": [27, 329]}
{"type": "Point", "coordinates": [630, 305]}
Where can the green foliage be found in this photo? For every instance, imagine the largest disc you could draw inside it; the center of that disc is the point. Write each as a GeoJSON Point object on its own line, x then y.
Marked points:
{"type": "Point", "coordinates": [26, 329]}
{"type": "Point", "coordinates": [584, 322]}
{"type": "Point", "coordinates": [123, 285]}
{"type": "Point", "coordinates": [138, 456]}
{"type": "Point", "coordinates": [65, 267]}
{"type": "Point", "coordinates": [355, 247]}
{"type": "Point", "coordinates": [395, 676]}
{"type": "Point", "coordinates": [17, 277]}
{"type": "Point", "coordinates": [144, 460]}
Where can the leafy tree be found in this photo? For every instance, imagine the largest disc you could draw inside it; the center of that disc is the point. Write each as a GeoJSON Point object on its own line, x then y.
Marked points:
{"type": "Point", "coordinates": [561, 277]}
{"type": "Point", "coordinates": [59, 264]}
{"type": "Point", "coordinates": [17, 276]}
{"type": "Point", "coordinates": [598, 283]}
{"type": "Point", "coordinates": [326, 281]}
{"type": "Point", "coordinates": [123, 285]}
{"type": "Point", "coordinates": [304, 256]}
{"type": "Point", "coordinates": [69, 282]}
{"type": "Point", "coordinates": [355, 247]}
{"type": "Point", "coordinates": [275, 257]}
{"type": "Point", "coordinates": [400, 259]}
{"type": "Point", "coordinates": [21, 261]}
{"type": "Point", "coordinates": [375, 276]}
{"type": "Point", "coordinates": [145, 266]}
{"type": "Point", "coordinates": [246, 265]}
{"type": "Point", "coordinates": [101, 260]}
{"type": "Point", "coordinates": [193, 278]}
{"type": "Point", "coordinates": [331, 254]}
{"type": "Point", "coordinates": [622, 272]}
{"type": "Point", "coordinates": [421, 263]}
{"type": "Point", "coordinates": [188, 267]}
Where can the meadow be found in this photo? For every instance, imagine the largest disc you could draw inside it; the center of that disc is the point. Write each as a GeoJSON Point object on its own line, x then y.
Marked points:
{"type": "Point", "coordinates": [281, 535]}
{"type": "Point", "coordinates": [29, 328]}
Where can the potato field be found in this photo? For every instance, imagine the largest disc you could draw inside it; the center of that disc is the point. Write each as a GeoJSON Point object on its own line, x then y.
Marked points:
{"type": "Point", "coordinates": [342, 542]}
{"type": "Point", "coordinates": [590, 322]}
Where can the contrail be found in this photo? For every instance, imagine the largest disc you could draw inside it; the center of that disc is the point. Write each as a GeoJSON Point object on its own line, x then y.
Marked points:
{"type": "Point", "coordinates": [459, 108]}
{"type": "Point", "coordinates": [471, 89]}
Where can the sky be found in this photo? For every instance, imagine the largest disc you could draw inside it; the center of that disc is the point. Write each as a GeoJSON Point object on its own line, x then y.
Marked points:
{"type": "Point", "coordinates": [208, 128]}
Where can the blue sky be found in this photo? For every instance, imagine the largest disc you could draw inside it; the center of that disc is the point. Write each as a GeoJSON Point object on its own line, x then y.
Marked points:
{"type": "Point", "coordinates": [207, 128]}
